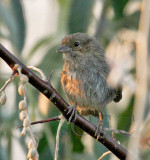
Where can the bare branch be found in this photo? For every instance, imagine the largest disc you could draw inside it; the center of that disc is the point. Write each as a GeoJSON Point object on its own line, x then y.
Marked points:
{"type": "Point", "coordinates": [44, 121]}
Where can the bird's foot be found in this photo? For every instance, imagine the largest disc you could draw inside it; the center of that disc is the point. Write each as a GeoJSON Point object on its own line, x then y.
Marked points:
{"type": "Point", "coordinates": [100, 131]}
{"type": "Point", "coordinates": [73, 113]}
{"type": "Point", "coordinates": [100, 128]}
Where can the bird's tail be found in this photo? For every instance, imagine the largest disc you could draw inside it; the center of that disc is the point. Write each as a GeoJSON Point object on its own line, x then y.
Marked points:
{"type": "Point", "coordinates": [118, 96]}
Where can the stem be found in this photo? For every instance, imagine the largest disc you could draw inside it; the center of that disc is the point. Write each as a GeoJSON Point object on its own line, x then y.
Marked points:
{"type": "Point", "coordinates": [7, 82]}
{"type": "Point", "coordinates": [44, 121]}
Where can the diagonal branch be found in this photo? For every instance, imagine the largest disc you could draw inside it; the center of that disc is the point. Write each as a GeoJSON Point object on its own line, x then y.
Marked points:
{"type": "Point", "coordinates": [47, 89]}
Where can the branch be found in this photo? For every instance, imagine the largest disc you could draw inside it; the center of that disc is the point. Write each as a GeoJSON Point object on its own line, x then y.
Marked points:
{"type": "Point", "coordinates": [47, 89]}
{"type": "Point", "coordinates": [44, 121]}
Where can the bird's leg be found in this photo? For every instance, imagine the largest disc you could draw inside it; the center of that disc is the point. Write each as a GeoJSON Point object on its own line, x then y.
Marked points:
{"type": "Point", "coordinates": [113, 136]}
{"type": "Point", "coordinates": [72, 112]}
{"type": "Point", "coordinates": [100, 128]}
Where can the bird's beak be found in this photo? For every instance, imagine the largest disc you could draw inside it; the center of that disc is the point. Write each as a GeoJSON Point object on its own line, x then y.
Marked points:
{"type": "Point", "coordinates": [63, 49]}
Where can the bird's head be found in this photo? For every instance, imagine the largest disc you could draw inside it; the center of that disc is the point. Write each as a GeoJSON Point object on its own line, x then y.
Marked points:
{"type": "Point", "coordinates": [78, 45]}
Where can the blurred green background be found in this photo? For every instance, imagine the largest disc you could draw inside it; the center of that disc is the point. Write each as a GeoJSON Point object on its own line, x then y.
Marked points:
{"type": "Point", "coordinates": [32, 30]}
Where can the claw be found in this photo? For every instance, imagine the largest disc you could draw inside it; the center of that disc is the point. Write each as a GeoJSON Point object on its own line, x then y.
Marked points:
{"type": "Point", "coordinates": [52, 96]}
{"type": "Point", "coordinates": [99, 131]}
{"type": "Point", "coordinates": [73, 113]}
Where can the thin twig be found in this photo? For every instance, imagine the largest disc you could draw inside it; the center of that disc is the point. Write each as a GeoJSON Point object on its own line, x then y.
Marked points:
{"type": "Point", "coordinates": [7, 82]}
{"type": "Point", "coordinates": [39, 71]}
{"type": "Point", "coordinates": [44, 121]}
{"type": "Point", "coordinates": [117, 131]}
{"type": "Point", "coordinates": [58, 135]}
{"type": "Point", "coordinates": [104, 154]}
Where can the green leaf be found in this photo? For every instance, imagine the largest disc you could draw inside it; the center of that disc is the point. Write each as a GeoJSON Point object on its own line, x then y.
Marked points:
{"type": "Point", "coordinates": [43, 148]}
{"type": "Point", "coordinates": [11, 14]}
{"type": "Point", "coordinates": [7, 18]}
{"type": "Point", "coordinates": [76, 135]}
{"type": "Point", "coordinates": [64, 6]}
{"type": "Point", "coordinates": [17, 11]}
{"type": "Point", "coordinates": [80, 15]}
{"type": "Point", "coordinates": [125, 120]}
{"type": "Point", "coordinates": [126, 117]}
{"type": "Point", "coordinates": [118, 6]}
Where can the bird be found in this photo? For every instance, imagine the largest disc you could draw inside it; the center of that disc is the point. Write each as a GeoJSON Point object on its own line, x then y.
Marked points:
{"type": "Point", "coordinates": [84, 76]}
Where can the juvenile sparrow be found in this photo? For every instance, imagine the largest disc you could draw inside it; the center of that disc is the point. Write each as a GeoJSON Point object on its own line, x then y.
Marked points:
{"type": "Point", "coordinates": [84, 75]}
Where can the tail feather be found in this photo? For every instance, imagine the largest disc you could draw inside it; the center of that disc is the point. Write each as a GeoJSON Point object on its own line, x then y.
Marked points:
{"type": "Point", "coordinates": [118, 94]}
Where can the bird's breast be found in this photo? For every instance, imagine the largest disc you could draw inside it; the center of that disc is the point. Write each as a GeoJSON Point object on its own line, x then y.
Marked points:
{"type": "Point", "coordinates": [71, 84]}
{"type": "Point", "coordinates": [86, 89]}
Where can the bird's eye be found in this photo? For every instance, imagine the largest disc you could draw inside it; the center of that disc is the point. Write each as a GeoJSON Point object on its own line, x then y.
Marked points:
{"type": "Point", "coordinates": [76, 44]}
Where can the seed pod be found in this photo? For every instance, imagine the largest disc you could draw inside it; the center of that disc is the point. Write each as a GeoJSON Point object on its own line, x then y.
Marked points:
{"type": "Point", "coordinates": [3, 98]}
{"type": "Point", "coordinates": [26, 122]}
{"type": "Point", "coordinates": [23, 105]}
{"type": "Point", "coordinates": [32, 143]}
{"type": "Point", "coordinates": [31, 153]}
{"type": "Point", "coordinates": [23, 114]}
{"type": "Point", "coordinates": [21, 89]}
{"type": "Point", "coordinates": [23, 78]}
{"type": "Point", "coordinates": [23, 131]}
